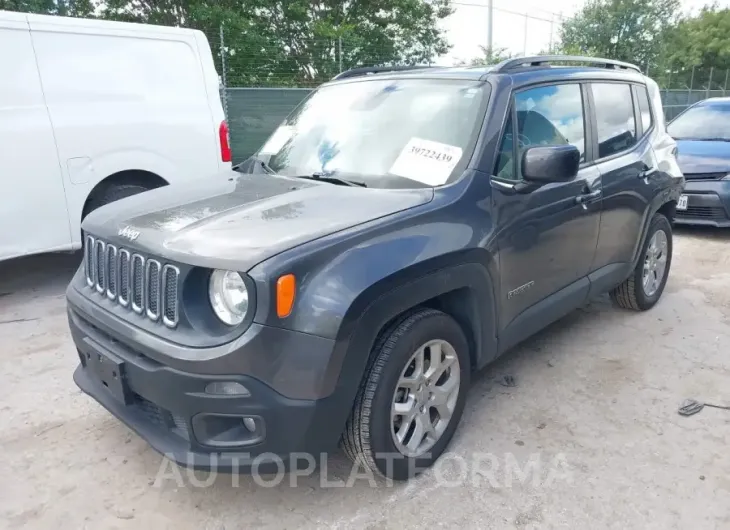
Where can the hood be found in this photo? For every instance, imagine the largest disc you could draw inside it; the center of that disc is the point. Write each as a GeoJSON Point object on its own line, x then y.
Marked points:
{"type": "Point", "coordinates": [240, 220]}
{"type": "Point", "coordinates": [703, 156]}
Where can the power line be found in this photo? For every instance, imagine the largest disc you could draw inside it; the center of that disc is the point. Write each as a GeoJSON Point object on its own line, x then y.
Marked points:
{"type": "Point", "coordinates": [510, 11]}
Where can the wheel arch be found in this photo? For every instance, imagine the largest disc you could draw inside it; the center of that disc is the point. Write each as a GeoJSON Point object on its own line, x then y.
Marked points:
{"type": "Point", "coordinates": [464, 291]}
{"type": "Point", "coordinates": [139, 177]}
{"type": "Point", "coordinates": [663, 204]}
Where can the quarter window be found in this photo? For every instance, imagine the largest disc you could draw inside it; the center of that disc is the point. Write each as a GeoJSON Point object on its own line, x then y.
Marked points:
{"type": "Point", "coordinates": [614, 118]}
{"type": "Point", "coordinates": [644, 108]}
{"type": "Point", "coordinates": [547, 115]}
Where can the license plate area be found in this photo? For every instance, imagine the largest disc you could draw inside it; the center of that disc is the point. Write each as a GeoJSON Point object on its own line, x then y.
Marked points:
{"type": "Point", "coordinates": [682, 202]}
{"type": "Point", "coordinates": [109, 371]}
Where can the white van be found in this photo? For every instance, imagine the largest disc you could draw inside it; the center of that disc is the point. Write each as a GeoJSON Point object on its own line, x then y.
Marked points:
{"type": "Point", "coordinates": [94, 111]}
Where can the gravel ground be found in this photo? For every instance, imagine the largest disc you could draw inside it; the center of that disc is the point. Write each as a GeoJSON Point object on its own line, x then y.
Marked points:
{"type": "Point", "coordinates": [589, 438]}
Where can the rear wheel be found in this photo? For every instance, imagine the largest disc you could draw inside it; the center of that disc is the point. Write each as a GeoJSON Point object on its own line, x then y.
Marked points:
{"type": "Point", "coordinates": [412, 397]}
{"type": "Point", "coordinates": [646, 284]}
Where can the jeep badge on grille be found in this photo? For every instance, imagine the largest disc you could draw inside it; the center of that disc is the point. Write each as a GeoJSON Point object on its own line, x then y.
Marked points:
{"type": "Point", "coordinates": [129, 232]}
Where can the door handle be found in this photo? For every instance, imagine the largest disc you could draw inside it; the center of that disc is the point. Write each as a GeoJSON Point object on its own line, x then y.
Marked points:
{"type": "Point", "coordinates": [588, 197]}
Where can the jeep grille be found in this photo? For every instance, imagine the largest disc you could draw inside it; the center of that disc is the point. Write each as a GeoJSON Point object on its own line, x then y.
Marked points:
{"type": "Point", "coordinates": [146, 286]}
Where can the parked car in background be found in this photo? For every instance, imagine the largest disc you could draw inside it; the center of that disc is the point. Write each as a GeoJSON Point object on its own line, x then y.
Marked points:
{"type": "Point", "coordinates": [92, 111]}
{"type": "Point", "coordinates": [405, 227]}
{"type": "Point", "coordinates": [702, 133]}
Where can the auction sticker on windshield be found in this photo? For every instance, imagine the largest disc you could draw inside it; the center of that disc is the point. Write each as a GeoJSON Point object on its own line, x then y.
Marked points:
{"type": "Point", "coordinates": [426, 161]}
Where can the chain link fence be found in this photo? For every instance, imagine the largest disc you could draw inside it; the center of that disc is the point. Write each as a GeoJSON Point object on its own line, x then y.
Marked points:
{"type": "Point", "coordinates": [687, 86]}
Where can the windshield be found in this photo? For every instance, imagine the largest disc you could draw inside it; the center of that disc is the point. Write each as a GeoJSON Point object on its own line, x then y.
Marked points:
{"type": "Point", "coordinates": [707, 121]}
{"type": "Point", "coordinates": [385, 133]}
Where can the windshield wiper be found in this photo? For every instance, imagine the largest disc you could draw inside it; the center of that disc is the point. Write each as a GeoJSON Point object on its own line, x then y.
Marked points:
{"type": "Point", "coordinates": [698, 139]}
{"type": "Point", "coordinates": [253, 164]}
{"type": "Point", "coordinates": [333, 180]}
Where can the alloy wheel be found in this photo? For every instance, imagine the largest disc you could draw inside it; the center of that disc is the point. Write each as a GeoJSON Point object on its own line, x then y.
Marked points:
{"type": "Point", "coordinates": [655, 263]}
{"type": "Point", "coordinates": [425, 398]}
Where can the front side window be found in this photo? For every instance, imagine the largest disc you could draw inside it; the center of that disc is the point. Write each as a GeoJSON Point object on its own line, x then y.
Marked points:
{"type": "Point", "coordinates": [709, 120]}
{"type": "Point", "coordinates": [614, 117]}
{"type": "Point", "coordinates": [547, 115]}
{"type": "Point", "coordinates": [386, 133]}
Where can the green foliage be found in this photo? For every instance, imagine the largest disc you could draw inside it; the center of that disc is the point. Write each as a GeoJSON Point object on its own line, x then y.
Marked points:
{"type": "Point", "coordinates": [299, 42]}
{"type": "Point", "coordinates": [80, 8]}
{"type": "Point", "coordinates": [627, 30]}
{"type": "Point", "coordinates": [489, 56]}
{"type": "Point", "coordinates": [702, 41]}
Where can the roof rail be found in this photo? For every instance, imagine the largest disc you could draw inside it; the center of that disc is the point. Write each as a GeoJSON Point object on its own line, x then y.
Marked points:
{"type": "Point", "coordinates": [367, 70]}
{"type": "Point", "coordinates": [544, 60]}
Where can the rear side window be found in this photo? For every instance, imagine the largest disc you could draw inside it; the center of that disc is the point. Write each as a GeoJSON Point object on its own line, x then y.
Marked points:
{"type": "Point", "coordinates": [614, 118]}
{"type": "Point", "coordinates": [547, 115]}
{"type": "Point", "coordinates": [644, 108]}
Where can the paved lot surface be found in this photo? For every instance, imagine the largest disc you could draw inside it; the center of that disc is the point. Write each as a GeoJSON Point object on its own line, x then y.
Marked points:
{"type": "Point", "coordinates": [589, 437]}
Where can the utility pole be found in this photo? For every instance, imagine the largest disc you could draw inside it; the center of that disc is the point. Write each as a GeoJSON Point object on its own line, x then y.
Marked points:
{"type": "Point", "coordinates": [490, 29]}
{"type": "Point", "coordinates": [524, 46]}
{"type": "Point", "coordinates": [552, 20]}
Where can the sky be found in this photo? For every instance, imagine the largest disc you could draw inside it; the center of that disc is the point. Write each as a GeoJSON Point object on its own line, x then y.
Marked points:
{"type": "Point", "coordinates": [466, 29]}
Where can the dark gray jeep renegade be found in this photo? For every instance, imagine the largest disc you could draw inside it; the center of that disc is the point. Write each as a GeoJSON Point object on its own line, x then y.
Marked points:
{"type": "Point", "coordinates": [401, 229]}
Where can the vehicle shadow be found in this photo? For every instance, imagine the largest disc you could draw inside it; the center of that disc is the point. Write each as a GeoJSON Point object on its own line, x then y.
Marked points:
{"type": "Point", "coordinates": [708, 233]}
{"type": "Point", "coordinates": [41, 275]}
{"type": "Point", "coordinates": [336, 477]}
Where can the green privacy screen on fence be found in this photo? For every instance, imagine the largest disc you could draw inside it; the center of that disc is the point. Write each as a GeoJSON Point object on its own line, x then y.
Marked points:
{"type": "Point", "coordinates": [254, 113]}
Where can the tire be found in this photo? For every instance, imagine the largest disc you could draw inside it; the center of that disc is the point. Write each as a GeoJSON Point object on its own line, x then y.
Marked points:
{"type": "Point", "coordinates": [632, 293]}
{"type": "Point", "coordinates": [113, 192]}
{"type": "Point", "coordinates": [369, 438]}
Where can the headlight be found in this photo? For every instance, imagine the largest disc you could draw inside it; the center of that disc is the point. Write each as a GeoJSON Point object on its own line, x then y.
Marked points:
{"type": "Point", "coordinates": [228, 296]}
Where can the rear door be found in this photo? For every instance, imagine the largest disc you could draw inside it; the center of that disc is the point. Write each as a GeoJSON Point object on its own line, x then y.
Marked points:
{"type": "Point", "coordinates": [33, 215]}
{"type": "Point", "coordinates": [546, 237]}
{"type": "Point", "coordinates": [627, 165]}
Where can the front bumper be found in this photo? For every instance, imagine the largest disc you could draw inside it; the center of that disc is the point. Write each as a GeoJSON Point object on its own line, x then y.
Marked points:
{"type": "Point", "coordinates": [172, 411]}
{"type": "Point", "coordinates": [708, 203]}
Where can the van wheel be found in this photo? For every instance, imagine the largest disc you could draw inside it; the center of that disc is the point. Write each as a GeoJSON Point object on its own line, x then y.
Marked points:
{"type": "Point", "coordinates": [645, 285]}
{"type": "Point", "coordinates": [412, 396]}
{"type": "Point", "coordinates": [112, 193]}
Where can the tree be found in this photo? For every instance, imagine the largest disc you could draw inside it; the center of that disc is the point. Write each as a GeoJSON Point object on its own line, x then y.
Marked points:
{"type": "Point", "coordinates": [701, 43]}
{"type": "Point", "coordinates": [81, 8]}
{"type": "Point", "coordinates": [627, 30]}
{"type": "Point", "coordinates": [302, 42]}
{"type": "Point", "coordinates": [489, 56]}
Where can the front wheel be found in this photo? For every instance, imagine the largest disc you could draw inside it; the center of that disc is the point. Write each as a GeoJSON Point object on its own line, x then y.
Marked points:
{"type": "Point", "coordinates": [646, 284]}
{"type": "Point", "coordinates": [412, 397]}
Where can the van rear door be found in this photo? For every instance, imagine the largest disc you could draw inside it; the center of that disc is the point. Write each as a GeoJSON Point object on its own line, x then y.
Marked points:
{"type": "Point", "coordinates": [33, 214]}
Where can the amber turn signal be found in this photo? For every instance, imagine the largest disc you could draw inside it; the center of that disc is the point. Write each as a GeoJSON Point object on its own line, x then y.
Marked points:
{"type": "Point", "coordinates": [286, 287]}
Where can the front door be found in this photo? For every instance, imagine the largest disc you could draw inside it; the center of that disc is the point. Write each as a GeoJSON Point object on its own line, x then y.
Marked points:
{"type": "Point", "coordinates": [546, 237]}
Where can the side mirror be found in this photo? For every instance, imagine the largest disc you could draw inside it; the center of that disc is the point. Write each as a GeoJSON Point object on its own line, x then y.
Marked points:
{"type": "Point", "coordinates": [554, 163]}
